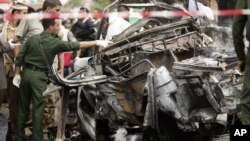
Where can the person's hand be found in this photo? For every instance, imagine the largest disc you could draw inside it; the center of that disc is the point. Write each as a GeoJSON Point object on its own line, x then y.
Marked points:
{"type": "Point", "coordinates": [13, 65]}
{"type": "Point", "coordinates": [61, 73]}
{"type": "Point", "coordinates": [241, 66]}
{"type": "Point", "coordinates": [74, 60]}
{"type": "Point", "coordinates": [62, 32]}
{"type": "Point", "coordinates": [13, 45]}
{"type": "Point", "coordinates": [16, 80]}
{"type": "Point", "coordinates": [103, 43]}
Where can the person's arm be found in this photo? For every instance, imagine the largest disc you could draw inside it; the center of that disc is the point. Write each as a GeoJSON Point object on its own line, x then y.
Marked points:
{"type": "Point", "coordinates": [71, 37]}
{"type": "Point", "coordinates": [15, 51]}
{"type": "Point", "coordinates": [18, 64]}
{"type": "Point", "coordinates": [23, 51]}
{"type": "Point", "coordinates": [17, 70]}
{"type": "Point", "coordinates": [20, 32]}
{"type": "Point", "coordinates": [239, 23]}
{"type": "Point", "coordinates": [61, 63]}
{"type": "Point", "coordinates": [22, 28]}
{"type": "Point", "coordinates": [17, 78]}
{"type": "Point", "coordinates": [241, 65]}
{"type": "Point", "coordinates": [78, 53]}
{"type": "Point", "coordinates": [4, 49]}
{"type": "Point", "coordinates": [7, 46]}
{"type": "Point", "coordinates": [87, 44]}
{"type": "Point", "coordinates": [63, 46]}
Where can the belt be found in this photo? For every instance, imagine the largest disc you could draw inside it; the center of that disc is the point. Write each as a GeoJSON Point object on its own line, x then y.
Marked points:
{"type": "Point", "coordinates": [35, 68]}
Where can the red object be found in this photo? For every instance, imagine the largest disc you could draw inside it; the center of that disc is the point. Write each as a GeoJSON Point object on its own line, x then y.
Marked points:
{"type": "Point", "coordinates": [230, 12]}
{"type": "Point", "coordinates": [67, 59]}
{"type": "Point", "coordinates": [8, 15]}
{"type": "Point", "coordinates": [5, 1]}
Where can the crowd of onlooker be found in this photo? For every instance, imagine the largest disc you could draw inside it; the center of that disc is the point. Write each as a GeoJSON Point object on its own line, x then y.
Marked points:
{"type": "Point", "coordinates": [15, 33]}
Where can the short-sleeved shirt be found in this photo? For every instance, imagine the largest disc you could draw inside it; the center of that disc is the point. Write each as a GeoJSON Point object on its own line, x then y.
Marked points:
{"type": "Point", "coordinates": [30, 25]}
{"type": "Point", "coordinates": [31, 54]}
{"type": "Point", "coordinates": [116, 26]}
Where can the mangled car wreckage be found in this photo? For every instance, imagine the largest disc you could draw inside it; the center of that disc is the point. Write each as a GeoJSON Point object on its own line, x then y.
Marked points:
{"type": "Point", "coordinates": [161, 79]}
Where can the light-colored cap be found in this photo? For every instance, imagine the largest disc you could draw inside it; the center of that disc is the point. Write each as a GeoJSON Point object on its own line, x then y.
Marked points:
{"type": "Point", "coordinates": [18, 6]}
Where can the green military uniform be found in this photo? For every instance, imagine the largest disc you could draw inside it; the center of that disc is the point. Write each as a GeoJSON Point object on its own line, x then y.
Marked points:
{"type": "Point", "coordinates": [34, 79]}
{"type": "Point", "coordinates": [239, 23]}
{"type": "Point", "coordinates": [28, 26]}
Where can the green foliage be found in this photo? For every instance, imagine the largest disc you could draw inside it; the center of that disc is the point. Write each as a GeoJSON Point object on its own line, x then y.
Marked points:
{"type": "Point", "coordinates": [135, 1]}
{"type": "Point", "coordinates": [74, 3]}
{"type": "Point", "coordinates": [101, 4]}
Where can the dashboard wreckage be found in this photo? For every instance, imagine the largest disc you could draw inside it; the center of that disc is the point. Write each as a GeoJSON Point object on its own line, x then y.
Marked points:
{"type": "Point", "coordinates": [163, 78]}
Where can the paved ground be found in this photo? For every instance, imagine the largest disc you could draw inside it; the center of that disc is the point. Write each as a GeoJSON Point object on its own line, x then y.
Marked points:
{"type": "Point", "coordinates": [4, 115]}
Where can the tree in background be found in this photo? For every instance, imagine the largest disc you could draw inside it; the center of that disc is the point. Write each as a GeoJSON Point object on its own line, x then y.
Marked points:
{"type": "Point", "coordinates": [96, 4]}
{"type": "Point", "coordinates": [101, 4]}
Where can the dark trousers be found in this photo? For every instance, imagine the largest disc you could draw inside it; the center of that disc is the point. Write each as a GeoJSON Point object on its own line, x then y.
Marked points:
{"type": "Point", "coordinates": [33, 84]}
{"type": "Point", "coordinates": [12, 92]}
{"type": "Point", "coordinates": [2, 94]}
{"type": "Point", "coordinates": [245, 94]}
{"type": "Point", "coordinates": [245, 105]}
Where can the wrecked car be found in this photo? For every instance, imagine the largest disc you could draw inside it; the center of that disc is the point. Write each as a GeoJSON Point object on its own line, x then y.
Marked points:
{"type": "Point", "coordinates": [161, 79]}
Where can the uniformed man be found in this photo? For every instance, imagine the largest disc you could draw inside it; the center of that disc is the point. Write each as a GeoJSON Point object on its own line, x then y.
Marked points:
{"type": "Point", "coordinates": [239, 24]}
{"type": "Point", "coordinates": [31, 25]}
{"type": "Point", "coordinates": [34, 76]}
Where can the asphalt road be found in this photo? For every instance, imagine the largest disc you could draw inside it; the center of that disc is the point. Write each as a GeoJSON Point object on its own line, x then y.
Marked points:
{"type": "Point", "coordinates": [4, 115]}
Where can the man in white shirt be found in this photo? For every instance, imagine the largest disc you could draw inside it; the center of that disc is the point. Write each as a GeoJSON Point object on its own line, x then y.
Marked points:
{"type": "Point", "coordinates": [116, 25]}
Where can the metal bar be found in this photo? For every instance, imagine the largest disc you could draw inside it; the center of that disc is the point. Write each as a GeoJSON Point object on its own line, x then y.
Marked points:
{"type": "Point", "coordinates": [50, 91]}
{"type": "Point", "coordinates": [186, 76]}
{"type": "Point", "coordinates": [209, 95]}
{"type": "Point", "coordinates": [60, 135]}
{"type": "Point", "coordinates": [150, 42]}
{"type": "Point", "coordinates": [151, 114]}
{"type": "Point", "coordinates": [173, 56]}
{"type": "Point", "coordinates": [157, 29]}
{"type": "Point", "coordinates": [184, 66]}
{"type": "Point", "coordinates": [145, 60]}
{"type": "Point", "coordinates": [87, 121]}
